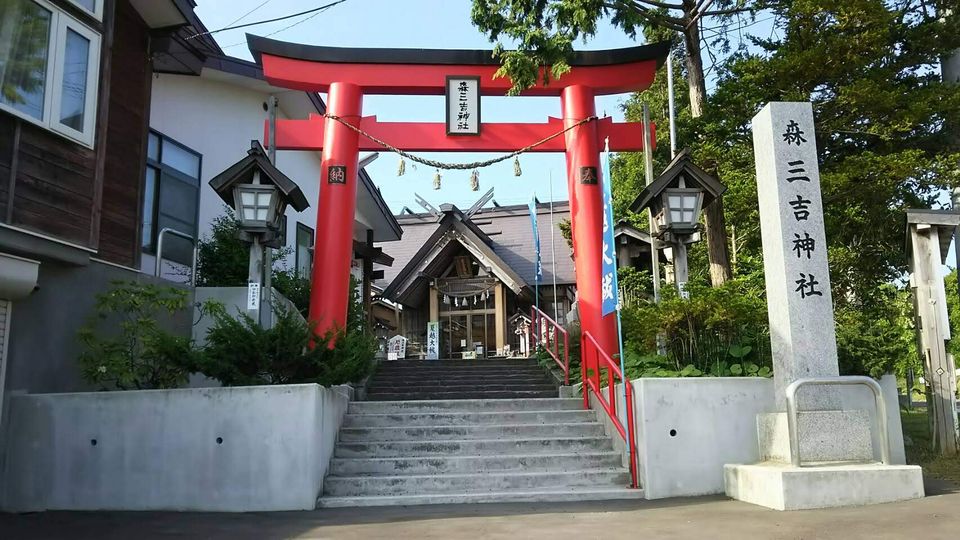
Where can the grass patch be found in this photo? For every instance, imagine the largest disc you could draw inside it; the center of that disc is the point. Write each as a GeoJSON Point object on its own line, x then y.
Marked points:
{"type": "Point", "coordinates": [916, 431]}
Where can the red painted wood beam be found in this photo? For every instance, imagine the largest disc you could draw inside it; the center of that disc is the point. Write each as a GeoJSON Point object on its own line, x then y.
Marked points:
{"type": "Point", "coordinates": [427, 80]}
{"type": "Point", "coordinates": [432, 136]}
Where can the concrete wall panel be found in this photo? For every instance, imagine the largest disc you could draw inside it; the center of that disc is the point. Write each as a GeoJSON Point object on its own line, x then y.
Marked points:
{"type": "Point", "coordinates": [209, 449]}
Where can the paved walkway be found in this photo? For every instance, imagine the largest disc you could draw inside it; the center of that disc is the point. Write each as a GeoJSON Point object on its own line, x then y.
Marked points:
{"type": "Point", "coordinates": [706, 518]}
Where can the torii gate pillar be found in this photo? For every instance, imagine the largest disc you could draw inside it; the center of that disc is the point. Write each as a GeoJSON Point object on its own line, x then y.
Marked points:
{"type": "Point", "coordinates": [333, 249]}
{"type": "Point", "coordinates": [586, 211]}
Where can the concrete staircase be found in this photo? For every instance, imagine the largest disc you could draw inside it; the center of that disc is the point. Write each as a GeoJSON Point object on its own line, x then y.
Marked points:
{"type": "Point", "coordinates": [434, 451]}
{"type": "Point", "coordinates": [460, 379]}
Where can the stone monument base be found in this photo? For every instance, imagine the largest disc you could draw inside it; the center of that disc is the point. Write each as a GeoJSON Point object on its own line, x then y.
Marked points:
{"type": "Point", "coordinates": [784, 487]}
{"type": "Point", "coordinates": [824, 436]}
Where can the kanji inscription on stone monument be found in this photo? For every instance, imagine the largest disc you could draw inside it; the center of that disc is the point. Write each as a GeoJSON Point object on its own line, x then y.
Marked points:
{"type": "Point", "coordinates": [802, 333]}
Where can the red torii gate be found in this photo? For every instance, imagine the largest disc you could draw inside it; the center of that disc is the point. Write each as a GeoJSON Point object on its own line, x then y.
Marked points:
{"type": "Point", "coordinates": [347, 74]}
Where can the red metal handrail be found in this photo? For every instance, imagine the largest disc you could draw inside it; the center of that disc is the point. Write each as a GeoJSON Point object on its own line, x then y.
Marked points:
{"type": "Point", "coordinates": [590, 356]}
{"type": "Point", "coordinates": [551, 340]}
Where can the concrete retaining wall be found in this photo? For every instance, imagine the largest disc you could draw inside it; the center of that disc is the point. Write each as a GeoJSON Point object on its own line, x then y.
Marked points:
{"type": "Point", "coordinates": [213, 449]}
{"type": "Point", "coordinates": [688, 428]}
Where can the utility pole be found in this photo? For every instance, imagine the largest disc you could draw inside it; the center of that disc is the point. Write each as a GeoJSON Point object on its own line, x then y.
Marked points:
{"type": "Point", "coordinates": [648, 171]}
{"type": "Point", "coordinates": [266, 315]}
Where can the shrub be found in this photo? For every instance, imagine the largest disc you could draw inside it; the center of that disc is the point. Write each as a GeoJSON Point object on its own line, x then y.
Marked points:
{"type": "Point", "coordinates": [719, 331]}
{"type": "Point", "coordinates": [223, 261]}
{"type": "Point", "coordinates": [125, 348]}
{"type": "Point", "coordinates": [239, 352]}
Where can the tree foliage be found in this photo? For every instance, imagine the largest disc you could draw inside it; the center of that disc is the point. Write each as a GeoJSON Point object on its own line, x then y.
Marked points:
{"type": "Point", "coordinates": [886, 133]}
{"type": "Point", "coordinates": [125, 344]}
{"type": "Point", "coordinates": [223, 260]}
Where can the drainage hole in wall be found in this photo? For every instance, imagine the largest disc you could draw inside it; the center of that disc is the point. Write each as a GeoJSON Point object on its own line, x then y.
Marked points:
{"type": "Point", "coordinates": [219, 440]}
{"type": "Point", "coordinates": [93, 442]}
{"type": "Point", "coordinates": [673, 433]}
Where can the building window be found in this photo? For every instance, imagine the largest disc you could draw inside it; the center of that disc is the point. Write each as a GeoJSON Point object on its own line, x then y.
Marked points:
{"type": "Point", "coordinates": [49, 67]}
{"type": "Point", "coordinates": [304, 255]}
{"type": "Point", "coordinates": [93, 7]}
{"type": "Point", "coordinates": [171, 197]}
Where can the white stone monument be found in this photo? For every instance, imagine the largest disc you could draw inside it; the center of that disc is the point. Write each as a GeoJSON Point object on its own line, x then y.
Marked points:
{"type": "Point", "coordinates": [397, 348]}
{"type": "Point", "coordinates": [839, 467]}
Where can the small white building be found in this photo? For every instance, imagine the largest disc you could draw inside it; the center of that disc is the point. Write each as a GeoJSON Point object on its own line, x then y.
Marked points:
{"type": "Point", "coordinates": [202, 124]}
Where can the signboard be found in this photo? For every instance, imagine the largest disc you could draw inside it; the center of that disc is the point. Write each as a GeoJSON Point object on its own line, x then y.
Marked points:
{"type": "Point", "coordinates": [253, 295]}
{"type": "Point", "coordinates": [588, 176]}
{"type": "Point", "coordinates": [433, 340]}
{"type": "Point", "coordinates": [463, 105]}
{"type": "Point", "coordinates": [397, 346]}
{"type": "Point", "coordinates": [336, 174]}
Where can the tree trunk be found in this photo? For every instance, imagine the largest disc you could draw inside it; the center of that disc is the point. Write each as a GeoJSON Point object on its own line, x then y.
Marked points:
{"type": "Point", "coordinates": [716, 231]}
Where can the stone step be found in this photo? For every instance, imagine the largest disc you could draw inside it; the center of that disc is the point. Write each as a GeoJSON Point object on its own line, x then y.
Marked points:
{"type": "Point", "coordinates": [465, 405]}
{"type": "Point", "coordinates": [465, 394]}
{"type": "Point", "coordinates": [537, 495]}
{"type": "Point", "coordinates": [445, 447]}
{"type": "Point", "coordinates": [470, 464]}
{"type": "Point", "coordinates": [458, 388]}
{"type": "Point", "coordinates": [457, 381]}
{"type": "Point", "coordinates": [439, 373]}
{"type": "Point", "coordinates": [353, 486]}
{"type": "Point", "coordinates": [482, 362]}
{"type": "Point", "coordinates": [504, 378]}
{"type": "Point", "coordinates": [463, 432]}
{"type": "Point", "coordinates": [451, 418]}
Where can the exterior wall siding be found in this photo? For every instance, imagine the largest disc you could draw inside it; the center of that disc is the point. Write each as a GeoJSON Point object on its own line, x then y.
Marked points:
{"type": "Point", "coordinates": [68, 191]}
{"type": "Point", "coordinates": [126, 138]}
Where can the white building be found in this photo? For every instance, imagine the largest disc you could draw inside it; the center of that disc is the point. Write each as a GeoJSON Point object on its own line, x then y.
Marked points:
{"type": "Point", "coordinates": [201, 125]}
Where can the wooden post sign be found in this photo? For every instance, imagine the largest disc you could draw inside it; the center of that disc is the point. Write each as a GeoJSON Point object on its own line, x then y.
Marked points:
{"type": "Point", "coordinates": [463, 105]}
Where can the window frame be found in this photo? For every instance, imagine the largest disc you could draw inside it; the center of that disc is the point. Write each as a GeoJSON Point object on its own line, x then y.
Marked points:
{"type": "Point", "coordinates": [296, 248]}
{"type": "Point", "coordinates": [97, 12]}
{"type": "Point", "coordinates": [175, 175]}
{"type": "Point", "coordinates": [60, 22]}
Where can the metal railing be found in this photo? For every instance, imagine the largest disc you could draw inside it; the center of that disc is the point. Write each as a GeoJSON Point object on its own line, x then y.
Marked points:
{"type": "Point", "coordinates": [590, 359]}
{"type": "Point", "coordinates": [193, 264]}
{"type": "Point", "coordinates": [550, 340]}
{"type": "Point", "coordinates": [792, 427]}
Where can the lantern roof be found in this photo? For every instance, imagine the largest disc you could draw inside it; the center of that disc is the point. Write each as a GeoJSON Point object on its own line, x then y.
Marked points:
{"type": "Point", "coordinates": [683, 165]}
{"type": "Point", "coordinates": [242, 172]}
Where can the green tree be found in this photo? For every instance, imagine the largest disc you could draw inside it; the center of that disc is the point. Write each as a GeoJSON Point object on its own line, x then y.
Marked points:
{"type": "Point", "coordinates": [544, 32]}
{"type": "Point", "coordinates": [223, 260]}
{"type": "Point", "coordinates": [880, 110]}
{"type": "Point", "coordinates": [125, 346]}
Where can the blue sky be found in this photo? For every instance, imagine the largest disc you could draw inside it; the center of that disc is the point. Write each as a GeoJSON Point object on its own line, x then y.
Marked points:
{"type": "Point", "coordinates": [418, 24]}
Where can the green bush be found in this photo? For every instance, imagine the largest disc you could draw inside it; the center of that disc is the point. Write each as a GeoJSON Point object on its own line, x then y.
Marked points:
{"type": "Point", "coordinates": [124, 346]}
{"type": "Point", "coordinates": [223, 261]}
{"type": "Point", "coordinates": [239, 352]}
{"type": "Point", "coordinates": [719, 331]}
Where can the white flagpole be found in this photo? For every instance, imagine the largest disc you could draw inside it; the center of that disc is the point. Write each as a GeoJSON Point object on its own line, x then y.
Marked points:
{"type": "Point", "coordinates": [553, 251]}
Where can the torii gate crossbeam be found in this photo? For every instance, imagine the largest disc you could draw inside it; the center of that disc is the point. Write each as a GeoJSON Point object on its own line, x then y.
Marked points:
{"type": "Point", "coordinates": [348, 74]}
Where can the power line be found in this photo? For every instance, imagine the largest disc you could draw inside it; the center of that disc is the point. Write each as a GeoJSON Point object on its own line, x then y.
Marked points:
{"type": "Point", "coordinates": [316, 9]}
{"type": "Point", "coordinates": [289, 26]}
{"type": "Point", "coordinates": [244, 16]}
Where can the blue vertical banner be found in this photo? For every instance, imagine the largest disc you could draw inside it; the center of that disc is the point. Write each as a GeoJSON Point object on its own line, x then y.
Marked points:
{"type": "Point", "coordinates": [608, 277]}
{"type": "Point", "coordinates": [536, 237]}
